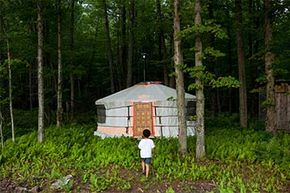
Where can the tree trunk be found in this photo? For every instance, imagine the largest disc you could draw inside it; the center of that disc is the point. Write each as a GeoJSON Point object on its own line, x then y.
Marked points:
{"type": "Point", "coordinates": [1, 117]}
{"type": "Point", "coordinates": [162, 46]}
{"type": "Point", "coordinates": [30, 87]}
{"type": "Point", "coordinates": [59, 114]}
{"type": "Point", "coordinates": [122, 47]}
{"type": "Point", "coordinates": [71, 76]}
{"type": "Point", "coordinates": [255, 47]}
{"type": "Point", "coordinates": [10, 89]}
{"type": "Point", "coordinates": [241, 64]}
{"type": "Point", "coordinates": [200, 145]}
{"type": "Point", "coordinates": [211, 62]}
{"type": "Point", "coordinates": [178, 62]}
{"type": "Point", "coordinates": [269, 59]}
{"type": "Point", "coordinates": [109, 47]}
{"type": "Point", "coordinates": [172, 78]}
{"type": "Point", "coordinates": [9, 82]}
{"type": "Point", "coordinates": [40, 72]}
{"type": "Point", "coordinates": [72, 96]}
{"type": "Point", "coordinates": [131, 43]}
{"type": "Point", "coordinates": [230, 62]}
{"type": "Point", "coordinates": [1, 129]}
{"type": "Point", "coordinates": [253, 110]}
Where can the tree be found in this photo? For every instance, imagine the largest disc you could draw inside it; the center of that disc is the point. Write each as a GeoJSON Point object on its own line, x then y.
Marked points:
{"type": "Point", "coordinates": [135, 27]}
{"type": "Point", "coordinates": [4, 28]}
{"type": "Point", "coordinates": [269, 60]}
{"type": "Point", "coordinates": [131, 42]}
{"type": "Point", "coordinates": [1, 128]}
{"type": "Point", "coordinates": [10, 85]}
{"type": "Point", "coordinates": [108, 45]}
{"type": "Point", "coordinates": [180, 93]}
{"type": "Point", "coordinates": [40, 72]}
{"type": "Point", "coordinates": [241, 64]}
{"type": "Point", "coordinates": [161, 43]}
{"type": "Point", "coordinates": [1, 89]}
{"type": "Point", "coordinates": [10, 89]}
{"type": "Point", "coordinates": [59, 114]}
{"type": "Point", "coordinates": [200, 146]}
{"type": "Point", "coordinates": [123, 46]}
{"type": "Point", "coordinates": [72, 85]}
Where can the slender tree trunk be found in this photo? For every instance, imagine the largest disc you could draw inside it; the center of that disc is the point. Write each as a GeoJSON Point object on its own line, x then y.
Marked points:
{"type": "Point", "coordinates": [131, 43]}
{"type": "Point", "coordinates": [211, 61]}
{"type": "Point", "coordinates": [40, 73]}
{"type": "Point", "coordinates": [229, 58]}
{"type": "Point", "coordinates": [59, 114]}
{"type": "Point", "coordinates": [123, 48]}
{"type": "Point", "coordinates": [162, 46]}
{"type": "Point", "coordinates": [269, 59]}
{"type": "Point", "coordinates": [178, 62]}
{"type": "Point", "coordinates": [109, 46]}
{"type": "Point", "coordinates": [1, 129]}
{"type": "Point", "coordinates": [253, 107]}
{"type": "Point", "coordinates": [254, 49]}
{"type": "Point", "coordinates": [250, 5]}
{"type": "Point", "coordinates": [1, 117]}
{"type": "Point", "coordinates": [200, 145]}
{"type": "Point", "coordinates": [1, 34]}
{"type": "Point", "coordinates": [71, 76]}
{"type": "Point", "coordinates": [30, 87]}
{"type": "Point", "coordinates": [172, 81]}
{"type": "Point", "coordinates": [241, 64]}
{"type": "Point", "coordinates": [9, 83]}
{"type": "Point", "coordinates": [72, 95]}
{"type": "Point", "coordinates": [10, 90]}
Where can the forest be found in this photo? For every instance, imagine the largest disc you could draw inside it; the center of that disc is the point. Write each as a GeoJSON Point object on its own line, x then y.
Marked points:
{"type": "Point", "coordinates": [107, 45]}
{"type": "Point", "coordinates": [57, 57]}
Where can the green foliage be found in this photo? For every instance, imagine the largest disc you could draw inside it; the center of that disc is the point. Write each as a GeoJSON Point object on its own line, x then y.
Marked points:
{"type": "Point", "coordinates": [237, 160]}
{"type": "Point", "coordinates": [267, 103]}
{"type": "Point", "coordinates": [209, 27]}
{"type": "Point", "coordinates": [201, 73]}
{"type": "Point", "coordinates": [170, 190]}
{"type": "Point", "coordinates": [99, 184]}
{"type": "Point", "coordinates": [222, 120]}
{"type": "Point", "coordinates": [209, 79]}
{"type": "Point", "coordinates": [261, 79]}
{"type": "Point", "coordinates": [181, 66]}
{"type": "Point", "coordinates": [228, 82]}
{"type": "Point", "coordinates": [210, 51]}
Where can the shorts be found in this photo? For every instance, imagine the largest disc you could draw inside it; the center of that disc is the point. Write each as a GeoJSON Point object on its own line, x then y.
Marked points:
{"type": "Point", "coordinates": [146, 160]}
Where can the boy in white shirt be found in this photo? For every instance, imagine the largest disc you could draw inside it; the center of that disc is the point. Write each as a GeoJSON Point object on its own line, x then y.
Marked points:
{"type": "Point", "coordinates": [146, 145]}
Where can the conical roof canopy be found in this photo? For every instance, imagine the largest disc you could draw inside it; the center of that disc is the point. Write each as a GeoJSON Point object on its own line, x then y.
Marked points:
{"type": "Point", "coordinates": [142, 92]}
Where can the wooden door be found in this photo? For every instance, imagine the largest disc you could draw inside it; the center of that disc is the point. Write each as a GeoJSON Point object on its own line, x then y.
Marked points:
{"type": "Point", "coordinates": [142, 118]}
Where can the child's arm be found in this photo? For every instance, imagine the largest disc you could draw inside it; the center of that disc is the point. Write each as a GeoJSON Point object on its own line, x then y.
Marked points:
{"type": "Point", "coordinates": [139, 145]}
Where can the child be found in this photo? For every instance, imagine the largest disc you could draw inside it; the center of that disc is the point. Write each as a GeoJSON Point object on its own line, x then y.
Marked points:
{"type": "Point", "coordinates": [146, 145]}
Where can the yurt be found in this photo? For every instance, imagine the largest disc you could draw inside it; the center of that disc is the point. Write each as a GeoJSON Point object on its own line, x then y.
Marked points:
{"type": "Point", "coordinates": [147, 105]}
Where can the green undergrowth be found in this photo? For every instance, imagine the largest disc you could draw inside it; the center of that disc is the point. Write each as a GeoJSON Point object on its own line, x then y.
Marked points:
{"type": "Point", "coordinates": [237, 160]}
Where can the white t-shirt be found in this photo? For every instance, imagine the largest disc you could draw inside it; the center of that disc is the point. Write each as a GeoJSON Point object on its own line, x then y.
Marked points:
{"type": "Point", "coordinates": [146, 146]}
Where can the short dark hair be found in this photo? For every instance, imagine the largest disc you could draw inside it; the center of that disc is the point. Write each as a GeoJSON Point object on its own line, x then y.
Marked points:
{"type": "Point", "coordinates": [146, 133]}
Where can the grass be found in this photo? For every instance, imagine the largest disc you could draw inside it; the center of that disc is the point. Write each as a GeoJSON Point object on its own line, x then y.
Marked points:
{"type": "Point", "coordinates": [237, 161]}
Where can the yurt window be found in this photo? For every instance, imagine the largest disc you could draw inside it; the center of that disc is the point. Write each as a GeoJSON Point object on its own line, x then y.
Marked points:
{"type": "Point", "coordinates": [190, 110]}
{"type": "Point", "coordinates": [101, 113]}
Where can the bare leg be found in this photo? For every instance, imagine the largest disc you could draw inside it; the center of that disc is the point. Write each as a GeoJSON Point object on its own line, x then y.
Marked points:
{"type": "Point", "coordinates": [147, 170]}
{"type": "Point", "coordinates": [143, 166]}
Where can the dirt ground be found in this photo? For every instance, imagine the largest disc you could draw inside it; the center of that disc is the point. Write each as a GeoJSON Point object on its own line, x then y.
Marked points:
{"type": "Point", "coordinates": [138, 184]}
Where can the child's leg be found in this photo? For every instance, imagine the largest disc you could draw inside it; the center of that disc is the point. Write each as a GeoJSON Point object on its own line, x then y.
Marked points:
{"type": "Point", "coordinates": [147, 169]}
{"type": "Point", "coordinates": [143, 166]}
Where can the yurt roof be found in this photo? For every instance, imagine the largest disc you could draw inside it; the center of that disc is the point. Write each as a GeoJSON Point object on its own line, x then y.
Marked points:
{"type": "Point", "coordinates": [142, 92]}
